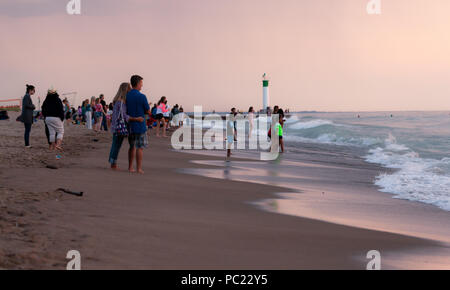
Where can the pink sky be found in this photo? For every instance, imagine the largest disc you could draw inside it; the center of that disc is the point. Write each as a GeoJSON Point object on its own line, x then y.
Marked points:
{"type": "Point", "coordinates": [327, 55]}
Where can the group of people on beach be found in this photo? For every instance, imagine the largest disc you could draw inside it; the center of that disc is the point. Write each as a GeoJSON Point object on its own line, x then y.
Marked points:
{"type": "Point", "coordinates": [52, 111]}
{"type": "Point", "coordinates": [93, 112]}
{"type": "Point", "coordinates": [129, 116]}
{"type": "Point", "coordinates": [232, 126]}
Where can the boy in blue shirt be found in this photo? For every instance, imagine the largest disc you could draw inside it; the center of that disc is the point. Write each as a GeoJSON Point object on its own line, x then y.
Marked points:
{"type": "Point", "coordinates": [137, 106]}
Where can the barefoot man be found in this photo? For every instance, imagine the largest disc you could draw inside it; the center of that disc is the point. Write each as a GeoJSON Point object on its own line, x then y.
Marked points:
{"type": "Point", "coordinates": [137, 106]}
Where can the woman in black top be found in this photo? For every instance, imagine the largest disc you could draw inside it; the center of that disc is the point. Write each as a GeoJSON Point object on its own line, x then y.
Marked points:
{"type": "Point", "coordinates": [27, 113]}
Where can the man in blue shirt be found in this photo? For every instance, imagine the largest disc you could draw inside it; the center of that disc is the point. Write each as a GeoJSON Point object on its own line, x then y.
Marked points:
{"type": "Point", "coordinates": [137, 106]}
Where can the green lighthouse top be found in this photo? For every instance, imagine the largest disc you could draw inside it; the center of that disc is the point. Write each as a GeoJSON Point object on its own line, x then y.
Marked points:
{"type": "Point", "coordinates": [265, 83]}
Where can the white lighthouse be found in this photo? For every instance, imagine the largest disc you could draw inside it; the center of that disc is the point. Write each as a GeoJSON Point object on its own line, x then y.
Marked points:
{"type": "Point", "coordinates": [266, 98]}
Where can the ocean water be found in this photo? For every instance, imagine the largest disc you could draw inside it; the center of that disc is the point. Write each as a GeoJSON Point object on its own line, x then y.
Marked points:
{"type": "Point", "coordinates": [415, 144]}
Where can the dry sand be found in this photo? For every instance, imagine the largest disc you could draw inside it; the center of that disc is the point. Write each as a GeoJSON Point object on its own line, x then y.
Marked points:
{"type": "Point", "coordinates": [161, 220]}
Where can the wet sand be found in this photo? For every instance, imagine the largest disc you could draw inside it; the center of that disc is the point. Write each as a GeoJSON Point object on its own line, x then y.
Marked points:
{"type": "Point", "coordinates": [165, 219]}
{"type": "Point", "coordinates": [340, 190]}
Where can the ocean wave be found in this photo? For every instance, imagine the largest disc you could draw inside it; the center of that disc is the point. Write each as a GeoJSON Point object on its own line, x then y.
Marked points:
{"type": "Point", "coordinates": [310, 124]}
{"type": "Point", "coordinates": [421, 161]}
{"type": "Point", "coordinates": [417, 179]}
{"type": "Point", "coordinates": [291, 119]}
{"type": "Point", "coordinates": [333, 139]}
{"type": "Point", "coordinates": [391, 144]}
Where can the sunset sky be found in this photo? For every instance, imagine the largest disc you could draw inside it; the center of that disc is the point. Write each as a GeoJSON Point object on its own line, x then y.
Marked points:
{"type": "Point", "coordinates": [326, 55]}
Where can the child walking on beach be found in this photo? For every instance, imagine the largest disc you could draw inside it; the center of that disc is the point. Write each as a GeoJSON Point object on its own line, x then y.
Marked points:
{"type": "Point", "coordinates": [98, 115]}
{"type": "Point", "coordinates": [161, 109]}
{"type": "Point", "coordinates": [231, 131]}
{"type": "Point", "coordinates": [181, 117]}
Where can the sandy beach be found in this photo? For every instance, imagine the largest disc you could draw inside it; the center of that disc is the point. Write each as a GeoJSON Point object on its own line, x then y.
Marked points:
{"type": "Point", "coordinates": [165, 219]}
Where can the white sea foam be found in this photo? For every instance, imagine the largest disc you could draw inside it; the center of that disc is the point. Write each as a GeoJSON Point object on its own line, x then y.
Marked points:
{"type": "Point", "coordinates": [190, 122]}
{"type": "Point", "coordinates": [417, 179]}
{"type": "Point", "coordinates": [421, 158]}
{"type": "Point", "coordinates": [333, 139]}
{"type": "Point", "coordinates": [310, 124]}
{"type": "Point", "coordinates": [391, 144]}
{"type": "Point", "coordinates": [291, 120]}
